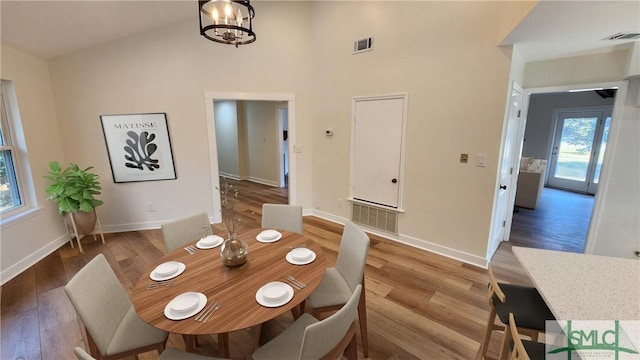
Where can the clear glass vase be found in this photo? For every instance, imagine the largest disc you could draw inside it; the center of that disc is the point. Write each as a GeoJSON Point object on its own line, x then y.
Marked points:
{"type": "Point", "coordinates": [234, 251]}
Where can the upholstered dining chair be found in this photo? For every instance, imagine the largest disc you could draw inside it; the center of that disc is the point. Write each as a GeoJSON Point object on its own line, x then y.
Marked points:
{"type": "Point", "coordinates": [310, 338]}
{"type": "Point", "coordinates": [526, 304]}
{"type": "Point", "coordinates": [113, 327]}
{"type": "Point", "coordinates": [281, 216]}
{"type": "Point", "coordinates": [180, 232]}
{"type": "Point", "coordinates": [167, 354]}
{"type": "Point", "coordinates": [339, 282]}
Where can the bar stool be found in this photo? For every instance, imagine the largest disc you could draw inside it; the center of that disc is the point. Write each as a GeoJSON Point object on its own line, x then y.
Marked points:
{"type": "Point", "coordinates": [523, 349]}
{"type": "Point", "coordinates": [524, 302]}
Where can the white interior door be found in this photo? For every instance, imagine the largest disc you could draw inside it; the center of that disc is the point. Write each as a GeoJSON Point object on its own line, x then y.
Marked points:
{"type": "Point", "coordinates": [377, 150]}
{"type": "Point", "coordinates": [505, 191]}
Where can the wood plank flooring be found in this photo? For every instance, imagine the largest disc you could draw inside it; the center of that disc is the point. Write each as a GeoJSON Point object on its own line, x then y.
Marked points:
{"type": "Point", "coordinates": [420, 305]}
{"type": "Point", "coordinates": [560, 222]}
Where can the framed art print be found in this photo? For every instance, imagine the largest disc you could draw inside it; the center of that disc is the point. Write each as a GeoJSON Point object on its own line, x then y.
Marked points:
{"type": "Point", "coordinates": [139, 147]}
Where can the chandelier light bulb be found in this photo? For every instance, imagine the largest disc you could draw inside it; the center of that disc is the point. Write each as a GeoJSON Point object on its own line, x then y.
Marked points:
{"type": "Point", "coordinates": [214, 15]}
{"type": "Point", "coordinates": [228, 10]}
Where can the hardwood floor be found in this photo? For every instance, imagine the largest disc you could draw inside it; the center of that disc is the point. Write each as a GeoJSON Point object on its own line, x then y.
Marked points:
{"type": "Point", "coordinates": [559, 222]}
{"type": "Point", "coordinates": [420, 305]}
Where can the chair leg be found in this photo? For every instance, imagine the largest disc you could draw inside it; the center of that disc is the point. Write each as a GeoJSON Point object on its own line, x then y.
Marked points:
{"type": "Point", "coordinates": [487, 334]}
{"type": "Point", "coordinates": [362, 320]}
{"type": "Point", "coordinates": [351, 352]}
{"type": "Point", "coordinates": [504, 347]}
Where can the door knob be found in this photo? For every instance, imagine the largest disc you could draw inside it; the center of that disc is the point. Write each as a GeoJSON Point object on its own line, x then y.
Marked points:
{"type": "Point", "coordinates": [394, 181]}
{"type": "Point", "coordinates": [503, 187]}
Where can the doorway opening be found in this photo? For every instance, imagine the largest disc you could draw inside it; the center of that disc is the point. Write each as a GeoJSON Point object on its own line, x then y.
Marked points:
{"type": "Point", "coordinates": [246, 141]}
{"type": "Point", "coordinates": [569, 132]}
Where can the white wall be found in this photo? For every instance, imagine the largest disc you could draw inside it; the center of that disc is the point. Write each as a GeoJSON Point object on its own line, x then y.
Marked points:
{"type": "Point", "coordinates": [262, 141]}
{"type": "Point", "coordinates": [539, 132]}
{"type": "Point", "coordinates": [226, 115]}
{"type": "Point", "coordinates": [25, 242]}
{"type": "Point", "coordinates": [618, 232]}
{"type": "Point", "coordinates": [594, 68]}
{"type": "Point", "coordinates": [444, 55]}
{"type": "Point", "coordinates": [169, 71]}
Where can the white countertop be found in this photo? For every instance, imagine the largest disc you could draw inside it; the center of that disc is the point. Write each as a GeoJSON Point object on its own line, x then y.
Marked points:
{"type": "Point", "coordinates": [584, 287]}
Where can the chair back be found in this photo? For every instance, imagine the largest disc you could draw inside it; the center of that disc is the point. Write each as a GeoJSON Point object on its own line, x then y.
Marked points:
{"type": "Point", "coordinates": [321, 337]}
{"type": "Point", "coordinates": [494, 291]}
{"type": "Point", "coordinates": [519, 352]}
{"type": "Point", "coordinates": [352, 255]}
{"type": "Point", "coordinates": [177, 233]}
{"type": "Point", "coordinates": [99, 300]}
{"type": "Point", "coordinates": [281, 216]}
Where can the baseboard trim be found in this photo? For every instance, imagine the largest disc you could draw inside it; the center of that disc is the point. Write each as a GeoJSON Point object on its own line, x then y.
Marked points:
{"type": "Point", "coordinates": [22, 265]}
{"type": "Point", "coordinates": [408, 240]}
{"type": "Point", "coordinates": [263, 181]}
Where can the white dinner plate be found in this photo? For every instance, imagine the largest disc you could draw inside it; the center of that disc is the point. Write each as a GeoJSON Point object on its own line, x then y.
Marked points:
{"type": "Point", "coordinates": [157, 277]}
{"type": "Point", "coordinates": [167, 268]}
{"type": "Point", "coordinates": [261, 239]}
{"type": "Point", "coordinates": [180, 315]}
{"type": "Point", "coordinates": [274, 303]}
{"type": "Point", "coordinates": [204, 243]}
{"type": "Point", "coordinates": [293, 261]}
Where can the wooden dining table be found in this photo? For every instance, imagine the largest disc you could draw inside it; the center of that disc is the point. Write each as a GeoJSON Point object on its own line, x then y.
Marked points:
{"type": "Point", "coordinates": [234, 288]}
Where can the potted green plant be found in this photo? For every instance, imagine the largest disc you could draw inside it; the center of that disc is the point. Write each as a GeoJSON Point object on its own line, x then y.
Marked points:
{"type": "Point", "coordinates": [74, 190]}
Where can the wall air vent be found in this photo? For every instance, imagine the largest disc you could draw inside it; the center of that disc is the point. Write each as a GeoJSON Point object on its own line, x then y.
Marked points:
{"type": "Point", "coordinates": [629, 35]}
{"type": "Point", "coordinates": [375, 217]}
{"type": "Point", "coordinates": [363, 45]}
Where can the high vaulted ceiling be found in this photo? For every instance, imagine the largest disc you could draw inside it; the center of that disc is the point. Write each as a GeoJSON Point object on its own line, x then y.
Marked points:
{"type": "Point", "coordinates": [51, 28]}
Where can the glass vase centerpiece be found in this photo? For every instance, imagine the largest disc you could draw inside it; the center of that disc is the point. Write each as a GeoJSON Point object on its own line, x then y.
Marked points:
{"type": "Point", "coordinates": [234, 251]}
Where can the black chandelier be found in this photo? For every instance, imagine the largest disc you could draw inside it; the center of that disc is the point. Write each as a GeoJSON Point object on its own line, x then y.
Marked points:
{"type": "Point", "coordinates": [226, 21]}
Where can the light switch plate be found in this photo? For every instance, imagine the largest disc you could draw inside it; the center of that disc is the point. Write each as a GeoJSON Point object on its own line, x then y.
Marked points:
{"type": "Point", "coordinates": [481, 160]}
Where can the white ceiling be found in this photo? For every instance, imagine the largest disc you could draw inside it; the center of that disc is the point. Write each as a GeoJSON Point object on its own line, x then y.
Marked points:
{"type": "Point", "coordinates": [553, 29]}
{"type": "Point", "coordinates": [51, 28]}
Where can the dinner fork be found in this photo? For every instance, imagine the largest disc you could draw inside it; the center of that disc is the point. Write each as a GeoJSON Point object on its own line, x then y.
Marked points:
{"type": "Point", "coordinates": [299, 283]}
{"type": "Point", "coordinates": [206, 311]}
{"type": "Point", "coordinates": [211, 312]}
{"type": "Point", "coordinates": [294, 285]}
{"type": "Point", "coordinates": [190, 249]}
{"type": "Point", "coordinates": [155, 285]}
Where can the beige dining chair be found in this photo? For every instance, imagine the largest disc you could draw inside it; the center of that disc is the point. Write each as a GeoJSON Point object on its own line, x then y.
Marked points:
{"type": "Point", "coordinates": [524, 302]}
{"type": "Point", "coordinates": [339, 282]}
{"type": "Point", "coordinates": [310, 338]}
{"type": "Point", "coordinates": [114, 329]}
{"type": "Point", "coordinates": [180, 232]}
{"type": "Point", "coordinates": [523, 349]}
{"type": "Point", "coordinates": [167, 354]}
{"type": "Point", "coordinates": [281, 216]}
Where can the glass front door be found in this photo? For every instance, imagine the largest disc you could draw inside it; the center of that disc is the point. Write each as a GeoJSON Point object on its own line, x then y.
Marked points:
{"type": "Point", "coordinates": [578, 150]}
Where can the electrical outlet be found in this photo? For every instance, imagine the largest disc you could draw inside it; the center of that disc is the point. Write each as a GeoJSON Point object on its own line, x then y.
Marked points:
{"type": "Point", "coordinates": [464, 158]}
{"type": "Point", "coordinates": [151, 207]}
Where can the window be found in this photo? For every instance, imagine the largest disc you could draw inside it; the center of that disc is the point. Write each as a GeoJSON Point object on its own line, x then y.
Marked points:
{"type": "Point", "coordinates": [16, 191]}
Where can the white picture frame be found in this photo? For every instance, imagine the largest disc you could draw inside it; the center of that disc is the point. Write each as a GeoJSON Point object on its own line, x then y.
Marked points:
{"type": "Point", "coordinates": [139, 147]}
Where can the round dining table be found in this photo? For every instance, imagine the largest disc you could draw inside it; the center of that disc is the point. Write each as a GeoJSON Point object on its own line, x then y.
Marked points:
{"type": "Point", "coordinates": [233, 288]}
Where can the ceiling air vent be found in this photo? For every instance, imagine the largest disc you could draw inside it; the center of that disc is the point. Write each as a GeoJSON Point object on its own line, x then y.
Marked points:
{"type": "Point", "coordinates": [363, 45]}
{"type": "Point", "coordinates": [629, 35]}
